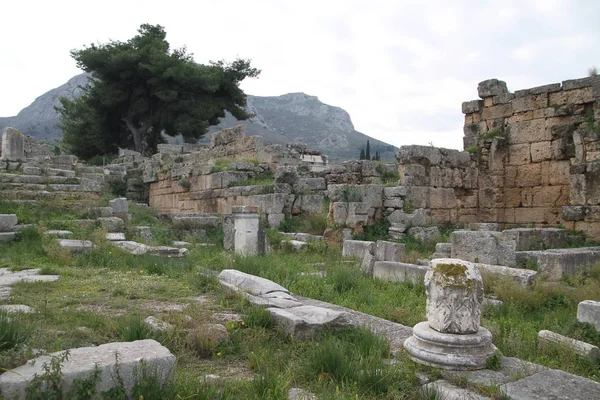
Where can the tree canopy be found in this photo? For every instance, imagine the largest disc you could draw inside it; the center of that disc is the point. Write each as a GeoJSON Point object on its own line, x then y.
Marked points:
{"type": "Point", "coordinates": [141, 89]}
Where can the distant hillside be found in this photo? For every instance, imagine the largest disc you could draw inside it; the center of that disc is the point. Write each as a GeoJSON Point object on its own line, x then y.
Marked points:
{"type": "Point", "coordinates": [293, 117]}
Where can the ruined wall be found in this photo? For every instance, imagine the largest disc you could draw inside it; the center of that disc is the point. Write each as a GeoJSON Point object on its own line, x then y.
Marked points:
{"type": "Point", "coordinates": [537, 152]}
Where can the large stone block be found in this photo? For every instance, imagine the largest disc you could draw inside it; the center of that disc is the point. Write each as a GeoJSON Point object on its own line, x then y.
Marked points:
{"type": "Point", "coordinates": [7, 222]}
{"type": "Point", "coordinates": [529, 132]}
{"type": "Point", "coordinates": [13, 143]}
{"type": "Point", "coordinates": [491, 87]}
{"type": "Point", "coordinates": [527, 239]}
{"type": "Point", "coordinates": [476, 246]}
{"type": "Point", "coordinates": [555, 264]}
{"type": "Point", "coordinates": [228, 136]}
{"type": "Point", "coordinates": [82, 362]}
{"type": "Point", "coordinates": [529, 175]}
{"type": "Point", "coordinates": [523, 277]}
{"type": "Point", "coordinates": [357, 248]}
{"type": "Point", "coordinates": [388, 251]}
{"type": "Point", "coordinates": [586, 350]}
{"type": "Point", "coordinates": [589, 311]}
{"type": "Point", "coordinates": [305, 322]}
{"type": "Point", "coordinates": [399, 272]}
{"type": "Point", "coordinates": [120, 206]}
{"type": "Point", "coordinates": [112, 224]}
{"type": "Point", "coordinates": [552, 384]}
{"type": "Point", "coordinates": [238, 281]}
{"type": "Point", "coordinates": [308, 184]}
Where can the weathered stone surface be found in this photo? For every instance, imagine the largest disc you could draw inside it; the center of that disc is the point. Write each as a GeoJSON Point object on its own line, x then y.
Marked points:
{"type": "Point", "coordinates": [589, 311]}
{"type": "Point", "coordinates": [473, 106]}
{"type": "Point", "coordinates": [115, 236]}
{"type": "Point", "coordinates": [491, 87]}
{"type": "Point", "coordinates": [399, 272]}
{"type": "Point", "coordinates": [368, 263]}
{"type": "Point", "coordinates": [59, 233]}
{"type": "Point", "coordinates": [76, 246]}
{"type": "Point", "coordinates": [304, 322]}
{"type": "Point", "coordinates": [448, 391]}
{"type": "Point", "coordinates": [295, 245]}
{"type": "Point", "coordinates": [527, 239]}
{"type": "Point", "coordinates": [287, 174]}
{"type": "Point", "coordinates": [443, 250]}
{"type": "Point", "coordinates": [523, 277]}
{"type": "Point", "coordinates": [180, 243]}
{"type": "Point", "coordinates": [357, 248]}
{"type": "Point", "coordinates": [396, 191]}
{"type": "Point", "coordinates": [554, 264]}
{"type": "Point", "coordinates": [17, 308]}
{"type": "Point", "coordinates": [450, 351]}
{"type": "Point", "coordinates": [247, 231]}
{"type": "Point", "coordinates": [157, 325]}
{"type": "Point", "coordinates": [120, 206]}
{"type": "Point", "coordinates": [240, 281]}
{"type": "Point", "coordinates": [310, 184]}
{"type": "Point", "coordinates": [112, 224]}
{"type": "Point", "coordinates": [7, 236]}
{"type": "Point", "coordinates": [424, 234]}
{"type": "Point", "coordinates": [7, 222]}
{"type": "Point", "coordinates": [476, 246]}
{"type": "Point", "coordinates": [388, 251]}
{"type": "Point", "coordinates": [454, 295]}
{"type": "Point", "coordinates": [573, 213]}
{"type": "Point", "coordinates": [96, 212]}
{"type": "Point", "coordinates": [543, 386]}
{"type": "Point", "coordinates": [305, 237]}
{"type": "Point", "coordinates": [193, 222]}
{"type": "Point", "coordinates": [144, 233]}
{"type": "Point", "coordinates": [274, 220]}
{"type": "Point", "coordinates": [82, 362]}
{"type": "Point", "coordinates": [300, 394]}
{"type": "Point", "coordinates": [12, 144]}
{"type": "Point", "coordinates": [586, 350]}
{"type": "Point", "coordinates": [484, 226]}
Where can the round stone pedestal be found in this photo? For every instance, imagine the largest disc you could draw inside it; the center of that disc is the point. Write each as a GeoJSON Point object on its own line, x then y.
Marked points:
{"type": "Point", "coordinates": [450, 351]}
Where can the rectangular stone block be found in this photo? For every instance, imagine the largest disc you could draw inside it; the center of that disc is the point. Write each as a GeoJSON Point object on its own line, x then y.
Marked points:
{"type": "Point", "coordinates": [551, 384]}
{"type": "Point", "coordinates": [576, 96]}
{"type": "Point", "coordinates": [531, 102]}
{"type": "Point", "coordinates": [399, 272]}
{"type": "Point", "coordinates": [589, 311]}
{"type": "Point", "coordinates": [310, 184]}
{"type": "Point", "coordinates": [529, 175]}
{"type": "Point", "coordinates": [388, 251]}
{"type": "Point", "coordinates": [357, 248]}
{"type": "Point", "coordinates": [529, 132]}
{"type": "Point", "coordinates": [541, 151]}
{"type": "Point", "coordinates": [519, 154]}
{"type": "Point", "coordinates": [7, 222]}
{"type": "Point", "coordinates": [472, 106]}
{"type": "Point", "coordinates": [523, 277]}
{"type": "Point", "coordinates": [499, 111]}
{"type": "Point", "coordinates": [396, 191]}
{"type": "Point", "coordinates": [586, 350]}
{"type": "Point", "coordinates": [558, 263]}
{"type": "Point", "coordinates": [559, 173]}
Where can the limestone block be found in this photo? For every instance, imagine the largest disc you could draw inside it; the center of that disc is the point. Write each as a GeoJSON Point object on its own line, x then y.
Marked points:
{"type": "Point", "coordinates": [586, 350]}
{"type": "Point", "coordinates": [529, 132]}
{"type": "Point", "coordinates": [393, 203]}
{"type": "Point", "coordinates": [158, 325]}
{"type": "Point", "coordinates": [241, 282]}
{"type": "Point", "coordinates": [535, 238]}
{"type": "Point", "coordinates": [296, 245]}
{"type": "Point", "coordinates": [530, 102]}
{"type": "Point", "coordinates": [589, 311]}
{"type": "Point", "coordinates": [310, 184]}
{"type": "Point", "coordinates": [59, 233]}
{"type": "Point", "coordinates": [448, 391]}
{"type": "Point", "coordinates": [13, 143]}
{"type": "Point", "coordinates": [413, 175]}
{"type": "Point", "coordinates": [311, 203]}
{"type": "Point", "coordinates": [305, 322]}
{"type": "Point", "coordinates": [396, 191]}
{"type": "Point", "coordinates": [144, 233]}
{"type": "Point", "coordinates": [7, 236]}
{"type": "Point", "coordinates": [484, 226]}
{"type": "Point", "coordinates": [120, 206]}
{"type": "Point", "coordinates": [95, 212]}
{"type": "Point", "coordinates": [541, 151]}
{"type": "Point", "coordinates": [228, 136]}
{"type": "Point", "coordinates": [543, 386]}
{"type": "Point", "coordinates": [287, 174]}
{"type": "Point", "coordinates": [229, 232]}
{"type": "Point", "coordinates": [442, 198]}
{"type": "Point", "coordinates": [529, 175]}
{"type": "Point", "coordinates": [472, 106]}
{"type": "Point", "coordinates": [573, 213]}
{"type": "Point", "coordinates": [82, 362]}
{"type": "Point", "coordinates": [112, 224]}
{"type": "Point", "coordinates": [372, 195]}
{"type": "Point", "coordinates": [554, 264]}
{"type": "Point", "coordinates": [195, 221]}
{"type": "Point", "coordinates": [454, 296]}
{"type": "Point", "coordinates": [523, 277]}
{"type": "Point", "coordinates": [576, 96]}
{"type": "Point", "coordinates": [358, 214]}
{"type": "Point", "coordinates": [357, 248]}
{"type": "Point", "coordinates": [115, 236]}
{"type": "Point", "coordinates": [246, 237]}
{"type": "Point", "coordinates": [368, 263]}
{"type": "Point", "coordinates": [476, 246]}
{"type": "Point", "coordinates": [274, 220]}
{"type": "Point", "coordinates": [499, 111]}
{"type": "Point", "coordinates": [75, 246]}
{"type": "Point", "coordinates": [388, 251]}
{"type": "Point", "coordinates": [443, 250]}
{"type": "Point", "coordinates": [305, 237]}
{"type": "Point", "coordinates": [272, 203]}
{"type": "Point", "coordinates": [424, 234]}
{"type": "Point", "coordinates": [491, 87]}
{"type": "Point", "coordinates": [399, 272]}
{"type": "Point", "coordinates": [7, 222]}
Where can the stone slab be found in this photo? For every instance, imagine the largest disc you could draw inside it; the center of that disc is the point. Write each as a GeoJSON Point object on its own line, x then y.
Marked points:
{"type": "Point", "coordinates": [240, 281]}
{"type": "Point", "coordinates": [83, 361]}
{"type": "Point", "coordinates": [388, 251]}
{"type": "Point", "coordinates": [114, 236]}
{"type": "Point", "coordinates": [589, 311]}
{"type": "Point", "coordinates": [511, 370]}
{"type": "Point", "coordinates": [76, 246]}
{"type": "Point", "coordinates": [523, 277]}
{"type": "Point", "coordinates": [7, 222]}
{"type": "Point", "coordinates": [552, 384]}
{"type": "Point", "coordinates": [448, 391]}
{"type": "Point", "coordinates": [7, 236]}
{"type": "Point", "coordinates": [59, 233]}
{"type": "Point", "coordinates": [17, 308]}
{"type": "Point", "coordinates": [399, 272]}
{"type": "Point", "coordinates": [357, 248]}
{"type": "Point", "coordinates": [586, 350]}
{"type": "Point", "coordinates": [305, 322]}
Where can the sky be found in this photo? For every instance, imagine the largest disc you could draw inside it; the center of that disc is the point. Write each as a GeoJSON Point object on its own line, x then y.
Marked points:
{"type": "Point", "coordinates": [401, 68]}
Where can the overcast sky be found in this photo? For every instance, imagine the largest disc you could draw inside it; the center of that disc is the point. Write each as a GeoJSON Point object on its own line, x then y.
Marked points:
{"type": "Point", "coordinates": [400, 68]}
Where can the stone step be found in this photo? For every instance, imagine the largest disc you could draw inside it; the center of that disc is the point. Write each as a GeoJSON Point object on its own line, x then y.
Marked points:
{"type": "Point", "coordinates": [15, 178]}
{"type": "Point", "coordinates": [38, 194]}
{"type": "Point", "coordinates": [48, 187]}
{"type": "Point", "coordinates": [31, 170]}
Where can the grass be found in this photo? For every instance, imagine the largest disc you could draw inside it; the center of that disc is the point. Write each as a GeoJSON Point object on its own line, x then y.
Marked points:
{"type": "Point", "coordinates": [105, 295]}
{"type": "Point", "coordinates": [313, 224]}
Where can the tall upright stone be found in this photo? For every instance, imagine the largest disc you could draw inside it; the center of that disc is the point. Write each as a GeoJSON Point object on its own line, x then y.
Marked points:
{"type": "Point", "coordinates": [246, 227]}
{"type": "Point", "coordinates": [452, 338]}
{"type": "Point", "coordinates": [13, 144]}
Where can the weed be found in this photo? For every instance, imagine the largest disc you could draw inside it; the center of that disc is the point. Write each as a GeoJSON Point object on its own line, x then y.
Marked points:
{"type": "Point", "coordinates": [118, 188]}
{"type": "Point", "coordinates": [472, 149]}
{"type": "Point", "coordinates": [48, 386]}
{"type": "Point", "coordinates": [379, 230]}
{"type": "Point", "coordinates": [494, 362]}
{"type": "Point", "coordinates": [256, 317]}
{"type": "Point", "coordinates": [351, 194]}
{"type": "Point", "coordinates": [13, 331]}
{"type": "Point", "coordinates": [133, 327]}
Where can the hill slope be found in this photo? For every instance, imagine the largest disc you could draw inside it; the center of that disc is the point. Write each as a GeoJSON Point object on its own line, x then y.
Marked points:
{"type": "Point", "coordinates": [293, 117]}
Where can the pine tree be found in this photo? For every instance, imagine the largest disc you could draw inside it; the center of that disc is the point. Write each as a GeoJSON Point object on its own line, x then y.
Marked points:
{"type": "Point", "coordinates": [368, 151]}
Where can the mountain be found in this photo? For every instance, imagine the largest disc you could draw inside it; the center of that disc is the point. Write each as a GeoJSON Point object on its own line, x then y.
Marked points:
{"type": "Point", "coordinates": [293, 117]}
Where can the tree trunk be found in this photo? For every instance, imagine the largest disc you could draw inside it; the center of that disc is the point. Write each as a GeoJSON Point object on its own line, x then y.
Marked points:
{"type": "Point", "coordinates": [137, 134]}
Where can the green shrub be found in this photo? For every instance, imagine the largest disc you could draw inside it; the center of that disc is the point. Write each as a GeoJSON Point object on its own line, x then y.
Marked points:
{"type": "Point", "coordinates": [184, 183]}
{"type": "Point", "coordinates": [257, 317]}
{"type": "Point", "coordinates": [379, 230]}
{"type": "Point", "coordinates": [133, 327]}
{"type": "Point", "coordinates": [118, 188]}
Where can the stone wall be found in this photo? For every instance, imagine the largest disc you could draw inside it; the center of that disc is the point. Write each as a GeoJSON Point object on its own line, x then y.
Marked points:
{"type": "Point", "coordinates": [537, 153]}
